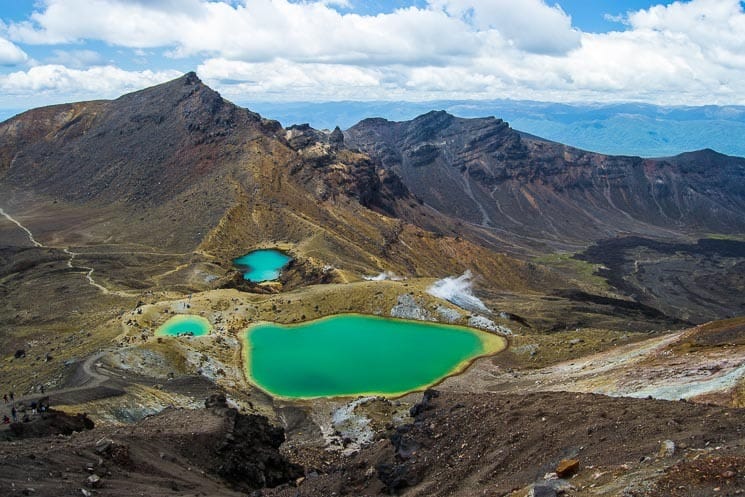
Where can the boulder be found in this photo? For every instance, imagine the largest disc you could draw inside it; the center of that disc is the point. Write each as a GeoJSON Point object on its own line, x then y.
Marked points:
{"type": "Point", "coordinates": [567, 468]}
{"type": "Point", "coordinates": [216, 400]}
{"type": "Point", "coordinates": [542, 491]}
{"type": "Point", "coordinates": [93, 481]}
{"type": "Point", "coordinates": [667, 449]}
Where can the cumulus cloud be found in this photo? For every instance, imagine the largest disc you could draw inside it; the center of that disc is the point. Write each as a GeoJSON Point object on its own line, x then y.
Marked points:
{"type": "Point", "coordinates": [10, 54]}
{"type": "Point", "coordinates": [47, 83]}
{"type": "Point", "coordinates": [690, 52]}
{"type": "Point", "coordinates": [290, 80]}
{"type": "Point", "coordinates": [529, 25]}
{"type": "Point", "coordinates": [714, 27]}
{"type": "Point", "coordinates": [254, 31]}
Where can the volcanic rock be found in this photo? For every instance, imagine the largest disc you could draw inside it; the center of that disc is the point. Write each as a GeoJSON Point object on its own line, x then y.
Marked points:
{"type": "Point", "coordinates": [567, 468]}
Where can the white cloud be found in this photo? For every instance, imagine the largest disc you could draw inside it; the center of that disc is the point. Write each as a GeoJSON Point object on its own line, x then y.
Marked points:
{"type": "Point", "coordinates": [256, 31]}
{"type": "Point", "coordinates": [48, 84]}
{"type": "Point", "coordinates": [715, 27]}
{"type": "Point", "coordinates": [687, 52]}
{"type": "Point", "coordinates": [529, 25]}
{"type": "Point", "coordinates": [76, 59]}
{"type": "Point", "coordinates": [286, 80]}
{"type": "Point", "coordinates": [338, 3]}
{"type": "Point", "coordinates": [10, 54]}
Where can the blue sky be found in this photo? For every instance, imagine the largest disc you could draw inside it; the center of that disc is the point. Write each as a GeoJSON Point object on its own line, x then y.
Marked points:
{"type": "Point", "coordinates": [685, 52]}
{"type": "Point", "coordinates": [587, 15]}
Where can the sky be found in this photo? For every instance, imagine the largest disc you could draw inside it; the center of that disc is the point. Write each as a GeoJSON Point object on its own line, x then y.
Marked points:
{"type": "Point", "coordinates": [668, 53]}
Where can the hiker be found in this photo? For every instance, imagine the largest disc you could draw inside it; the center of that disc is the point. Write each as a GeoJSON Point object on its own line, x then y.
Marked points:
{"type": "Point", "coordinates": [11, 397]}
{"type": "Point", "coordinates": [14, 413]}
{"type": "Point", "coordinates": [42, 388]}
{"type": "Point", "coordinates": [5, 397]}
{"type": "Point", "coordinates": [33, 407]}
{"type": "Point", "coordinates": [6, 419]}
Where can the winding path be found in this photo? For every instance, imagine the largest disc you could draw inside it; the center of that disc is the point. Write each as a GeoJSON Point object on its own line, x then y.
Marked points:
{"type": "Point", "coordinates": [89, 270]}
{"type": "Point", "coordinates": [88, 275]}
{"type": "Point", "coordinates": [86, 378]}
{"type": "Point", "coordinates": [17, 223]}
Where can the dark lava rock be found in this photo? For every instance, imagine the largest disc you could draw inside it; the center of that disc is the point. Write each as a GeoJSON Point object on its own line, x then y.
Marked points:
{"type": "Point", "coordinates": [249, 457]}
{"type": "Point", "coordinates": [50, 422]}
{"type": "Point", "coordinates": [20, 353]}
{"type": "Point", "coordinates": [216, 400]}
{"type": "Point", "coordinates": [336, 138]}
{"type": "Point", "coordinates": [404, 471]}
{"type": "Point", "coordinates": [422, 406]}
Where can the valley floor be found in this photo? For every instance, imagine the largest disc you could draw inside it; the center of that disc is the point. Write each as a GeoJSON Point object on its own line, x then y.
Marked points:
{"type": "Point", "coordinates": [500, 428]}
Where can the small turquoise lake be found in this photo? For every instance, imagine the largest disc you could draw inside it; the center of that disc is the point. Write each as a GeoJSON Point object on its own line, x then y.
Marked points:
{"type": "Point", "coordinates": [262, 265]}
{"type": "Point", "coordinates": [184, 324]}
{"type": "Point", "coordinates": [351, 354]}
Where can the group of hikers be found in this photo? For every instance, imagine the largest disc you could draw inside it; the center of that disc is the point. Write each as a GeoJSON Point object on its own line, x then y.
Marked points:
{"type": "Point", "coordinates": [20, 409]}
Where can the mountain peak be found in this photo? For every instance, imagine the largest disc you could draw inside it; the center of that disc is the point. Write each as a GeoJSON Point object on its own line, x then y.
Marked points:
{"type": "Point", "coordinates": [437, 118]}
{"type": "Point", "coordinates": [179, 88]}
{"type": "Point", "coordinates": [191, 78]}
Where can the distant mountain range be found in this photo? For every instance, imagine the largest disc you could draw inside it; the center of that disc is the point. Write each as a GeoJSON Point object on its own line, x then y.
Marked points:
{"type": "Point", "coordinates": [617, 129]}
{"type": "Point", "coordinates": [485, 173]}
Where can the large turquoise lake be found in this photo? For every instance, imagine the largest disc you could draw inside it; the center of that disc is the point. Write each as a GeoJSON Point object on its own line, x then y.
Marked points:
{"type": "Point", "coordinates": [262, 265]}
{"type": "Point", "coordinates": [184, 324]}
{"type": "Point", "coordinates": [352, 354]}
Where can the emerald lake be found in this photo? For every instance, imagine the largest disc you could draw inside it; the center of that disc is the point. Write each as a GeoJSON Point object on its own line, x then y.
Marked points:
{"type": "Point", "coordinates": [351, 354]}
{"type": "Point", "coordinates": [184, 324]}
{"type": "Point", "coordinates": [262, 265]}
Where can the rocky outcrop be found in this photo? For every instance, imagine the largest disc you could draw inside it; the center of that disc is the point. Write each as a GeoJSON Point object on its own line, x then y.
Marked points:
{"type": "Point", "coordinates": [48, 423]}
{"type": "Point", "coordinates": [329, 170]}
{"type": "Point", "coordinates": [248, 455]}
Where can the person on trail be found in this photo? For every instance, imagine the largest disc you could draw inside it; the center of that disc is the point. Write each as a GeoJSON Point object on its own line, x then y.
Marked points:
{"type": "Point", "coordinates": [5, 397]}
{"type": "Point", "coordinates": [11, 397]}
{"type": "Point", "coordinates": [6, 419]}
{"type": "Point", "coordinates": [42, 388]}
{"type": "Point", "coordinates": [14, 413]}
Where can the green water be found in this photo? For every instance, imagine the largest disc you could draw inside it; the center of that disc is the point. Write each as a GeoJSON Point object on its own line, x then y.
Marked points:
{"type": "Point", "coordinates": [353, 355]}
{"type": "Point", "coordinates": [263, 265]}
{"type": "Point", "coordinates": [183, 325]}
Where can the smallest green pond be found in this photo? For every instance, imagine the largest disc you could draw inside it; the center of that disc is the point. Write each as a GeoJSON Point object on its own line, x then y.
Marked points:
{"type": "Point", "coordinates": [184, 324]}
{"type": "Point", "coordinates": [262, 265]}
{"type": "Point", "coordinates": [352, 354]}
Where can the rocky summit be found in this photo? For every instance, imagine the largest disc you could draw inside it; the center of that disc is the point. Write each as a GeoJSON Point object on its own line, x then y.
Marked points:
{"type": "Point", "coordinates": [615, 282]}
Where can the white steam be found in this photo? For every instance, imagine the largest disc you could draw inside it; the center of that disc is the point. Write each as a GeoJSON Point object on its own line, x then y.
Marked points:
{"type": "Point", "coordinates": [458, 291]}
{"type": "Point", "coordinates": [385, 275]}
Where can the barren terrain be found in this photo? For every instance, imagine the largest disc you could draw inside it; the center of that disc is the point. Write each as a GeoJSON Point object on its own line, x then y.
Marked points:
{"type": "Point", "coordinates": [624, 352]}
